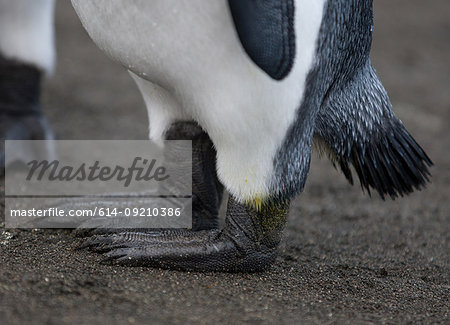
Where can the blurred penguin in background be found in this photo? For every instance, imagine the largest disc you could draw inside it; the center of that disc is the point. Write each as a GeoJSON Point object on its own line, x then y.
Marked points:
{"type": "Point", "coordinates": [27, 54]}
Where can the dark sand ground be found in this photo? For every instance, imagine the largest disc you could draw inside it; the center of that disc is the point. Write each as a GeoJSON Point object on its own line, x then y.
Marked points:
{"type": "Point", "coordinates": [346, 258]}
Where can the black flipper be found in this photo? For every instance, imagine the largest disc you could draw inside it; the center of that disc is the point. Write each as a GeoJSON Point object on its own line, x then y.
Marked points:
{"type": "Point", "coordinates": [357, 126]}
{"type": "Point", "coordinates": [266, 31]}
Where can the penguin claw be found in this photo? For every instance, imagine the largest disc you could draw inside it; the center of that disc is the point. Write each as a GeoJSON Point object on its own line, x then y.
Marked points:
{"type": "Point", "coordinates": [116, 255]}
{"type": "Point", "coordinates": [96, 243]}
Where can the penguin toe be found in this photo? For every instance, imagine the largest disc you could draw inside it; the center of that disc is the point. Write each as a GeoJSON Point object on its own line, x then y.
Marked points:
{"type": "Point", "coordinates": [105, 243]}
{"type": "Point", "coordinates": [97, 243]}
{"type": "Point", "coordinates": [118, 254]}
{"type": "Point", "coordinates": [89, 232]}
{"type": "Point", "coordinates": [102, 242]}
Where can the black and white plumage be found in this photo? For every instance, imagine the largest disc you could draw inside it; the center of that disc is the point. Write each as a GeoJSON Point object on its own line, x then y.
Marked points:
{"type": "Point", "coordinates": [261, 119]}
{"type": "Point", "coordinates": [351, 113]}
{"type": "Point", "coordinates": [190, 64]}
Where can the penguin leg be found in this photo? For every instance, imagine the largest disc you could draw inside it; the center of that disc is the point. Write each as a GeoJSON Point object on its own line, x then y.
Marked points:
{"type": "Point", "coordinates": [20, 111]}
{"type": "Point", "coordinates": [248, 243]}
{"type": "Point", "coordinates": [207, 191]}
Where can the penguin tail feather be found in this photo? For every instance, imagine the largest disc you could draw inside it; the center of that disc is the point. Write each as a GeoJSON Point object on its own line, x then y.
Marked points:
{"type": "Point", "coordinates": [356, 127]}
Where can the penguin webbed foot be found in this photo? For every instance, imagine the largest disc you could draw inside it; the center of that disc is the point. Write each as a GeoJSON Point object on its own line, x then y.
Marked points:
{"type": "Point", "coordinates": [248, 243]}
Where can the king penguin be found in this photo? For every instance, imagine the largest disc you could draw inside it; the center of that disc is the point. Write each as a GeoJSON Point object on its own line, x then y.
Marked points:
{"type": "Point", "coordinates": [254, 84]}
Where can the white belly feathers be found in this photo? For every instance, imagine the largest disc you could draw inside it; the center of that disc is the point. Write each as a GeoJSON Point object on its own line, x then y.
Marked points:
{"type": "Point", "coordinates": [192, 66]}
